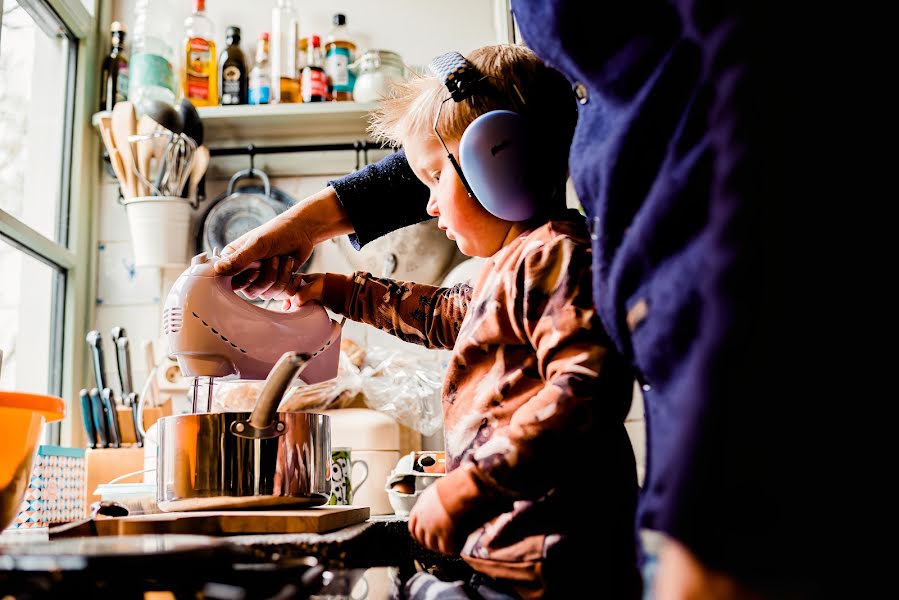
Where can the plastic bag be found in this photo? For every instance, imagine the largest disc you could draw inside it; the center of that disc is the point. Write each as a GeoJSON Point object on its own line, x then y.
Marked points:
{"type": "Point", "coordinates": [405, 388]}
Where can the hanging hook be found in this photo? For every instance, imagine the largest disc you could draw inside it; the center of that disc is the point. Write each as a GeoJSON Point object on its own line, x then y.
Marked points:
{"type": "Point", "coordinates": [356, 145]}
{"type": "Point", "coordinates": [365, 152]}
{"type": "Point", "coordinates": [251, 150]}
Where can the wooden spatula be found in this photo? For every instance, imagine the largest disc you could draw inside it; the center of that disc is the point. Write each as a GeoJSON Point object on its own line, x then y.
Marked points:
{"type": "Point", "coordinates": [115, 158]}
{"type": "Point", "coordinates": [145, 151]}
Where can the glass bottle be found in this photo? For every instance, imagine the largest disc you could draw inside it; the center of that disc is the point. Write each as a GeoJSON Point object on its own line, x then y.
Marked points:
{"type": "Point", "coordinates": [315, 81]}
{"type": "Point", "coordinates": [302, 60]}
{"type": "Point", "coordinates": [199, 80]}
{"type": "Point", "coordinates": [114, 73]}
{"type": "Point", "coordinates": [339, 53]}
{"type": "Point", "coordinates": [150, 73]}
{"type": "Point", "coordinates": [285, 30]}
{"type": "Point", "coordinates": [260, 75]}
{"type": "Point", "coordinates": [233, 70]}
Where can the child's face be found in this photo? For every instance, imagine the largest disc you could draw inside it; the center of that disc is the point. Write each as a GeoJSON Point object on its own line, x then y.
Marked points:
{"type": "Point", "coordinates": [475, 231]}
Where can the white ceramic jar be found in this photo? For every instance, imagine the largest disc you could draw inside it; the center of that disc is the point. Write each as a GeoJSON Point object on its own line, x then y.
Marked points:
{"type": "Point", "coordinates": [375, 71]}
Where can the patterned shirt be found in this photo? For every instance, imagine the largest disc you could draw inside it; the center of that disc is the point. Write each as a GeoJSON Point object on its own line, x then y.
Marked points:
{"type": "Point", "coordinates": [534, 402]}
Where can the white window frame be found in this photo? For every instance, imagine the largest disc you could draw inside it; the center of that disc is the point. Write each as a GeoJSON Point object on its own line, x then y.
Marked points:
{"type": "Point", "coordinates": [74, 254]}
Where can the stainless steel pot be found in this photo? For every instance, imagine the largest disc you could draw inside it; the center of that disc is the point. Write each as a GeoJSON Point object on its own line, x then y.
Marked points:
{"type": "Point", "coordinates": [246, 460]}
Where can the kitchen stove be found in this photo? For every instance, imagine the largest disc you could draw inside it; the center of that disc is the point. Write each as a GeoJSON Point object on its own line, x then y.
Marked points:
{"type": "Point", "coordinates": [185, 566]}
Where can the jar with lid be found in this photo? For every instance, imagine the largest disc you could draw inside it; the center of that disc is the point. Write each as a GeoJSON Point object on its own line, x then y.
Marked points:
{"type": "Point", "coordinates": [375, 71]}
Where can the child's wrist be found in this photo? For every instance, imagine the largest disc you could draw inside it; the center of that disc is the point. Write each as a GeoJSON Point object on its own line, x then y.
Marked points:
{"type": "Point", "coordinates": [336, 289]}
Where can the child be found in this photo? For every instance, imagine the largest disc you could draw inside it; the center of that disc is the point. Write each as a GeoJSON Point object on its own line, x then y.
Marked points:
{"type": "Point", "coordinates": [534, 398]}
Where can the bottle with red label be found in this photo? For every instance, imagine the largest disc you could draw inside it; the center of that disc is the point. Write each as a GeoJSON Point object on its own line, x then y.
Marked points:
{"type": "Point", "coordinates": [199, 80]}
{"type": "Point", "coordinates": [315, 81]}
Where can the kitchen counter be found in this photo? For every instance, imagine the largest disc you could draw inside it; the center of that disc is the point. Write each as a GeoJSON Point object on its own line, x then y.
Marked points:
{"type": "Point", "coordinates": [368, 559]}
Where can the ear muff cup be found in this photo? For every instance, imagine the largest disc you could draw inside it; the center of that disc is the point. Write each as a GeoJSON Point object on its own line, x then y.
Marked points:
{"type": "Point", "coordinates": [494, 156]}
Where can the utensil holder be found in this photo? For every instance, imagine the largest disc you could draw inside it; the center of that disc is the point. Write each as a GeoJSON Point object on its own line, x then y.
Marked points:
{"type": "Point", "coordinates": [160, 227]}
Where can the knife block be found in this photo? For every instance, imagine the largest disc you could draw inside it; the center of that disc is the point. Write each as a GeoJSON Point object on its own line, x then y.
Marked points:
{"type": "Point", "coordinates": [105, 464]}
{"type": "Point", "coordinates": [151, 415]}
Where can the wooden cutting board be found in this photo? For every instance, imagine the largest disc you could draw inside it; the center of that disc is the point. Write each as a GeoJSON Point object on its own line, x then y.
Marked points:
{"type": "Point", "coordinates": [237, 522]}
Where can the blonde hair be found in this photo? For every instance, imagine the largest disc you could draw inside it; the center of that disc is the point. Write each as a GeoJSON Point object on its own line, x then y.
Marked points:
{"type": "Point", "coordinates": [519, 81]}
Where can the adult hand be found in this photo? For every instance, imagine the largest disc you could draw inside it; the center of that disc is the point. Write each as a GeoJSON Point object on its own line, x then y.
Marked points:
{"type": "Point", "coordinates": [430, 524]}
{"type": "Point", "coordinates": [293, 233]}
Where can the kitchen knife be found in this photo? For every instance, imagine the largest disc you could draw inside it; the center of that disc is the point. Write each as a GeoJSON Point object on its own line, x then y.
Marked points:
{"type": "Point", "coordinates": [99, 418]}
{"type": "Point", "coordinates": [116, 334]}
{"type": "Point", "coordinates": [132, 401]}
{"type": "Point", "coordinates": [123, 358]}
{"type": "Point", "coordinates": [112, 419]}
{"type": "Point", "coordinates": [95, 342]}
{"type": "Point", "coordinates": [88, 418]}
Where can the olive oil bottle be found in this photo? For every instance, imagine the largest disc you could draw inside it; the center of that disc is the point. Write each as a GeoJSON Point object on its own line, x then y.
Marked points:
{"type": "Point", "coordinates": [199, 80]}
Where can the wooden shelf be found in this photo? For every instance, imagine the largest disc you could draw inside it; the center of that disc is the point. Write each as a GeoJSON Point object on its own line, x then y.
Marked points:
{"type": "Point", "coordinates": [281, 123]}
{"type": "Point", "coordinates": [270, 123]}
{"type": "Point", "coordinates": [277, 124]}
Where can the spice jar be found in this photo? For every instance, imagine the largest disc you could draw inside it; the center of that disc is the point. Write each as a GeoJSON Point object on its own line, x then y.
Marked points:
{"type": "Point", "coordinates": [375, 71]}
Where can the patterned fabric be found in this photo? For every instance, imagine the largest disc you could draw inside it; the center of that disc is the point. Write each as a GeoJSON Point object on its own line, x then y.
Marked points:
{"type": "Point", "coordinates": [534, 406]}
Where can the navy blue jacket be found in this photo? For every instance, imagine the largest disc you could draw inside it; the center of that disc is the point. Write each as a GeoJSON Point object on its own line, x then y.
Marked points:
{"type": "Point", "coordinates": [677, 161]}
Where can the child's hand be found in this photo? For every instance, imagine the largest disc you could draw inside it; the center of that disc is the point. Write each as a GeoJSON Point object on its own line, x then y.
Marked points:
{"type": "Point", "coordinates": [430, 524]}
{"type": "Point", "coordinates": [310, 287]}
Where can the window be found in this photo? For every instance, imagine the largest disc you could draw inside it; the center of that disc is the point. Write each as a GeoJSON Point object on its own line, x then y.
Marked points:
{"type": "Point", "coordinates": [41, 98]}
{"type": "Point", "coordinates": [29, 297]}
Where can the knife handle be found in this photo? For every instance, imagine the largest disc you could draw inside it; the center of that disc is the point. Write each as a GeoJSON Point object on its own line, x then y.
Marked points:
{"type": "Point", "coordinates": [88, 418]}
{"type": "Point", "coordinates": [112, 417]}
{"type": "Point", "coordinates": [99, 417]}
{"type": "Point", "coordinates": [135, 416]}
{"type": "Point", "coordinates": [123, 360]}
{"type": "Point", "coordinates": [95, 342]}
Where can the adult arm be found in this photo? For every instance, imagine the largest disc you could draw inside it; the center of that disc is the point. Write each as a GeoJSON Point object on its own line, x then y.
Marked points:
{"type": "Point", "coordinates": [366, 205]}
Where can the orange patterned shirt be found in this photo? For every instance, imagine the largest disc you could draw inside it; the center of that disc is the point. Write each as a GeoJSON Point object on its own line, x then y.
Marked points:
{"type": "Point", "coordinates": [531, 393]}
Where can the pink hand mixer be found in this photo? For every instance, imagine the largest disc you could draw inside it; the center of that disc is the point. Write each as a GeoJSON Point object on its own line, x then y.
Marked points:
{"type": "Point", "coordinates": [212, 332]}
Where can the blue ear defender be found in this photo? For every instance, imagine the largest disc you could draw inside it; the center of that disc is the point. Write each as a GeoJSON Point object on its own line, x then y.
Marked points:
{"type": "Point", "coordinates": [494, 153]}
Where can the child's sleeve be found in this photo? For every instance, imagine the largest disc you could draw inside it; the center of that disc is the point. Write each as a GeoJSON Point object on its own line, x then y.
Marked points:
{"type": "Point", "coordinates": [587, 388]}
{"type": "Point", "coordinates": [421, 314]}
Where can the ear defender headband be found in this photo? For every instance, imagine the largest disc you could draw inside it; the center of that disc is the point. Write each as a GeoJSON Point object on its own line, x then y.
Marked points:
{"type": "Point", "coordinates": [494, 150]}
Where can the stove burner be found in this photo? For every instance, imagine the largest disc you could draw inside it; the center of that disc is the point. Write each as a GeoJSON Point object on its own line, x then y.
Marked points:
{"type": "Point", "coordinates": [126, 567]}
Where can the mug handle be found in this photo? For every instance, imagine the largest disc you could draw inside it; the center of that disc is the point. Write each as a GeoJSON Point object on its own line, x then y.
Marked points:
{"type": "Point", "coordinates": [353, 464]}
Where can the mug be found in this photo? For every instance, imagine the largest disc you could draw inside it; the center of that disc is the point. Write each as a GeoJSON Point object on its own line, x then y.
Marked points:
{"type": "Point", "coordinates": [341, 476]}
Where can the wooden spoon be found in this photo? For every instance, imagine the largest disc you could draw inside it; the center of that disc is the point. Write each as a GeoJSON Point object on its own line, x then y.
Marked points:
{"type": "Point", "coordinates": [124, 125]}
{"type": "Point", "coordinates": [201, 163]}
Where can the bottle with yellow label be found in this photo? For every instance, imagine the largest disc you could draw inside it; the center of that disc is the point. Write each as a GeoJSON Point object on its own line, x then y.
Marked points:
{"type": "Point", "coordinates": [199, 79]}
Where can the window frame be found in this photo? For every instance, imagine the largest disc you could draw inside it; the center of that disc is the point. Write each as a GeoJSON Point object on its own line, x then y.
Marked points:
{"type": "Point", "coordinates": [72, 255]}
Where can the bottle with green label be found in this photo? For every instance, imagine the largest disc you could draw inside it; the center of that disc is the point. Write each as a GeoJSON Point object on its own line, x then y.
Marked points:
{"type": "Point", "coordinates": [151, 74]}
{"type": "Point", "coordinates": [339, 53]}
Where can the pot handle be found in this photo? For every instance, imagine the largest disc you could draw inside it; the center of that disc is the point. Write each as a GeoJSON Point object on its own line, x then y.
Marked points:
{"type": "Point", "coordinates": [251, 172]}
{"type": "Point", "coordinates": [263, 422]}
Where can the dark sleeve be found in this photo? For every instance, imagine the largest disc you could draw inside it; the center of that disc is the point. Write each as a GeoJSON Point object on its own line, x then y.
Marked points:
{"type": "Point", "coordinates": [382, 197]}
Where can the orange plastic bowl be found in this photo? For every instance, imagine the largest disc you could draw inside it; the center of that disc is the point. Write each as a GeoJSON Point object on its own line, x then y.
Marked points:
{"type": "Point", "coordinates": [22, 418]}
